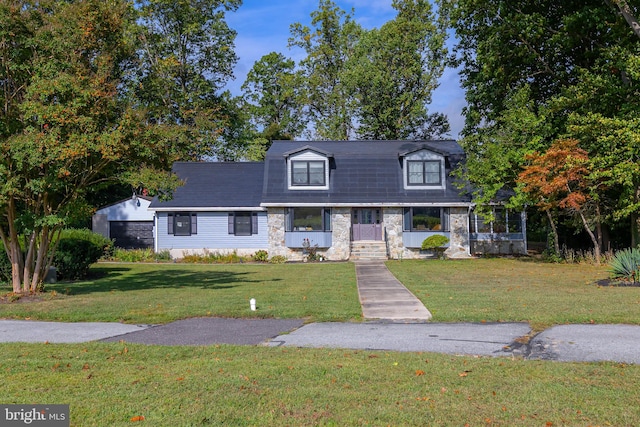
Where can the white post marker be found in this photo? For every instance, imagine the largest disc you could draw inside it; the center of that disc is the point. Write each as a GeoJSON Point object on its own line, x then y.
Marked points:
{"type": "Point", "coordinates": [252, 303]}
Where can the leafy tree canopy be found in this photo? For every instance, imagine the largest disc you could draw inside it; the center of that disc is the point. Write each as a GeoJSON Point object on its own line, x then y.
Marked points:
{"type": "Point", "coordinates": [577, 61]}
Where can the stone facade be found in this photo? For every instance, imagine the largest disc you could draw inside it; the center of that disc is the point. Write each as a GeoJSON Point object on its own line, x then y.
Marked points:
{"type": "Point", "coordinates": [459, 237]}
{"type": "Point", "coordinates": [340, 235]}
{"type": "Point", "coordinates": [499, 247]}
{"type": "Point", "coordinates": [392, 219]}
{"type": "Point", "coordinates": [275, 223]}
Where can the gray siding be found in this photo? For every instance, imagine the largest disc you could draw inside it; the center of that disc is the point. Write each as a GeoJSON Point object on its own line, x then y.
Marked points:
{"type": "Point", "coordinates": [213, 233]}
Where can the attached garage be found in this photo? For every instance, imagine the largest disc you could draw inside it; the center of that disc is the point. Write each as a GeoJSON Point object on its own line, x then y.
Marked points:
{"type": "Point", "coordinates": [131, 234]}
{"type": "Point", "coordinates": [129, 223]}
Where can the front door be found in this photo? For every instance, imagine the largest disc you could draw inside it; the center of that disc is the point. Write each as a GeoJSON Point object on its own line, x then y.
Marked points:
{"type": "Point", "coordinates": [366, 224]}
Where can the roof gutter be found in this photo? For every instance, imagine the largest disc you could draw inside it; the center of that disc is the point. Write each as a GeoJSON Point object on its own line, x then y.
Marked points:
{"type": "Point", "coordinates": [208, 209]}
{"type": "Point", "coordinates": [375, 205]}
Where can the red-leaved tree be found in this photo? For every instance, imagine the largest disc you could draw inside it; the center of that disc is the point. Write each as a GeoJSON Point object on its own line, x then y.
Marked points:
{"type": "Point", "coordinates": [561, 178]}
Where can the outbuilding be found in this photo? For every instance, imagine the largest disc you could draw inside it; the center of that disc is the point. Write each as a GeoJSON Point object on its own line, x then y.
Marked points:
{"type": "Point", "coordinates": [129, 223]}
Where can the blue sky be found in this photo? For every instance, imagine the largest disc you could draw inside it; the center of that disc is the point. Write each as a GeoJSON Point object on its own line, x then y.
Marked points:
{"type": "Point", "coordinates": [263, 27]}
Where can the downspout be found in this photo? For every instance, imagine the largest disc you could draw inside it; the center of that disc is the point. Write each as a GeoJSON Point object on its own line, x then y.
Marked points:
{"type": "Point", "coordinates": [155, 231]}
{"type": "Point", "coordinates": [469, 210]}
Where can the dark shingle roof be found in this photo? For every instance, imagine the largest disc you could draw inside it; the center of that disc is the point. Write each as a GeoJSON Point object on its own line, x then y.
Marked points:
{"type": "Point", "coordinates": [361, 172]}
{"type": "Point", "coordinates": [216, 184]}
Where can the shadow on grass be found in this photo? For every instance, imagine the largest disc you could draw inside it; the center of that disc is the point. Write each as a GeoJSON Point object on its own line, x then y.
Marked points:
{"type": "Point", "coordinates": [108, 279]}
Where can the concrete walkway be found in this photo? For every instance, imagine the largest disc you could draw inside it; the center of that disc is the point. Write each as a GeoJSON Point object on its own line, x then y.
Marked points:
{"type": "Point", "coordinates": [383, 297]}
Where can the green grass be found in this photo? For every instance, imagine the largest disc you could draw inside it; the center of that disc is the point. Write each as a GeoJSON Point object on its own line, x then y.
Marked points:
{"type": "Point", "coordinates": [161, 293]}
{"type": "Point", "coordinates": [517, 290]}
{"type": "Point", "coordinates": [109, 384]}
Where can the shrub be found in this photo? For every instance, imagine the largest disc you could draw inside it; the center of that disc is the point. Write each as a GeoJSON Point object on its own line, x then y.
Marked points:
{"type": "Point", "coordinates": [278, 259]}
{"type": "Point", "coordinates": [311, 251]}
{"type": "Point", "coordinates": [214, 258]}
{"type": "Point", "coordinates": [625, 264]}
{"type": "Point", "coordinates": [140, 255]}
{"type": "Point", "coordinates": [435, 243]}
{"type": "Point", "coordinates": [261, 256]}
{"type": "Point", "coordinates": [76, 250]}
{"type": "Point", "coordinates": [163, 255]}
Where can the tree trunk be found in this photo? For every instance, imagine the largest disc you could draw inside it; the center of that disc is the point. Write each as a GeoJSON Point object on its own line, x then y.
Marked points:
{"type": "Point", "coordinates": [628, 16]}
{"type": "Point", "coordinates": [27, 272]}
{"type": "Point", "coordinates": [635, 228]}
{"type": "Point", "coordinates": [13, 248]}
{"type": "Point", "coordinates": [594, 240]}
{"type": "Point", "coordinates": [554, 230]}
{"type": "Point", "coordinates": [635, 221]}
{"type": "Point", "coordinates": [42, 261]}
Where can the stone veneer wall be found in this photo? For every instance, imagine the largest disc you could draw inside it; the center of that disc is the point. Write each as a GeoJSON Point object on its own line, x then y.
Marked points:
{"type": "Point", "coordinates": [459, 240]}
{"type": "Point", "coordinates": [340, 236]}
{"type": "Point", "coordinates": [499, 247]}
{"type": "Point", "coordinates": [459, 235]}
{"type": "Point", "coordinates": [275, 224]}
{"type": "Point", "coordinates": [392, 219]}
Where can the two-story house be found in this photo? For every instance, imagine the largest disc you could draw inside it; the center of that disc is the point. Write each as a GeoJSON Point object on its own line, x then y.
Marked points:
{"type": "Point", "coordinates": [350, 198]}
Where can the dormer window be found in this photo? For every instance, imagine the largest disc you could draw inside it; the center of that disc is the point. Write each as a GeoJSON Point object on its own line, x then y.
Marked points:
{"type": "Point", "coordinates": [423, 169]}
{"type": "Point", "coordinates": [307, 169]}
{"type": "Point", "coordinates": [307, 173]}
{"type": "Point", "coordinates": [424, 172]}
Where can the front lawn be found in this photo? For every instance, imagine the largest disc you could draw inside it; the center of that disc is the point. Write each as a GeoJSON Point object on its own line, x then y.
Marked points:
{"type": "Point", "coordinates": [118, 384]}
{"type": "Point", "coordinates": [479, 290]}
{"type": "Point", "coordinates": [518, 290]}
{"type": "Point", "coordinates": [161, 293]}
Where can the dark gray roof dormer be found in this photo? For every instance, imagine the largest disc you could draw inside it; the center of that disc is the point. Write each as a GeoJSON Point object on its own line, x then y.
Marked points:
{"type": "Point", "coordinates": [307, 148]}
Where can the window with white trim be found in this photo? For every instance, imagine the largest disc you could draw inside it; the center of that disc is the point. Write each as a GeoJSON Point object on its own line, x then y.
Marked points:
{"type": "Point", "coordinates": [308, 170]}
{"type": "Point", "coordinates": [308, 173]}
{"type": "Point", "coordinates": [424, 172]}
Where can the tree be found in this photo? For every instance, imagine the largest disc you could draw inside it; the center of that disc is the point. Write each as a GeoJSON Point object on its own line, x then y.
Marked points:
{"type": "Point", "coordinates": [495, 154]}
{"type": "Point", "coordinates": [186, 55]}
{"type": "Point", "coordinates": [504, 45]}
{"type": "Point", "coordinates": [271, 92]}
{"type": "Point", "coordinates": [329, 46]}
{"type": "Point", "coordinates": [394, 71]}
{"type": "Point", "coordinates": [628, 15]}
{"type": "Point", "coordinates": [562, 178]}
{"type": "Point", "coordinates": [579, 62]}
{"type": "Point", "coordinates": [65, 128]}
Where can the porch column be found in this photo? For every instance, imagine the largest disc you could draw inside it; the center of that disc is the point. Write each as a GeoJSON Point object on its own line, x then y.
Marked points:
{"type": "Point", "coordinates": [459, 236]}
{"type": "Point", "coordinates": [340, 249]}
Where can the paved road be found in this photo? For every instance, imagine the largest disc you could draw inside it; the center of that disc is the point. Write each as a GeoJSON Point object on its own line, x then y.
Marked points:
{"type": "Point", "coordinates": [587, 343]}
{"type": "Point", "coordinates": [493, 339]}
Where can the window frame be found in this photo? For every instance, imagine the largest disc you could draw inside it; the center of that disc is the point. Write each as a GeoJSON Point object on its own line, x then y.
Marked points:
{"type": "Point", "coordinates": [183, 230]}
{"type": "Point", "coordinates": [507, 219]}
{"type": "Point", "coordinates": [307, 163]}
{"type": "Point", "coordinates": [325, 219]}
{"type": "Point", "coordinates": [408, 215]}
{"type": "Point", "coordinates": [233, 223]}
{"type": "Point", "coordinates": [424, 173]}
